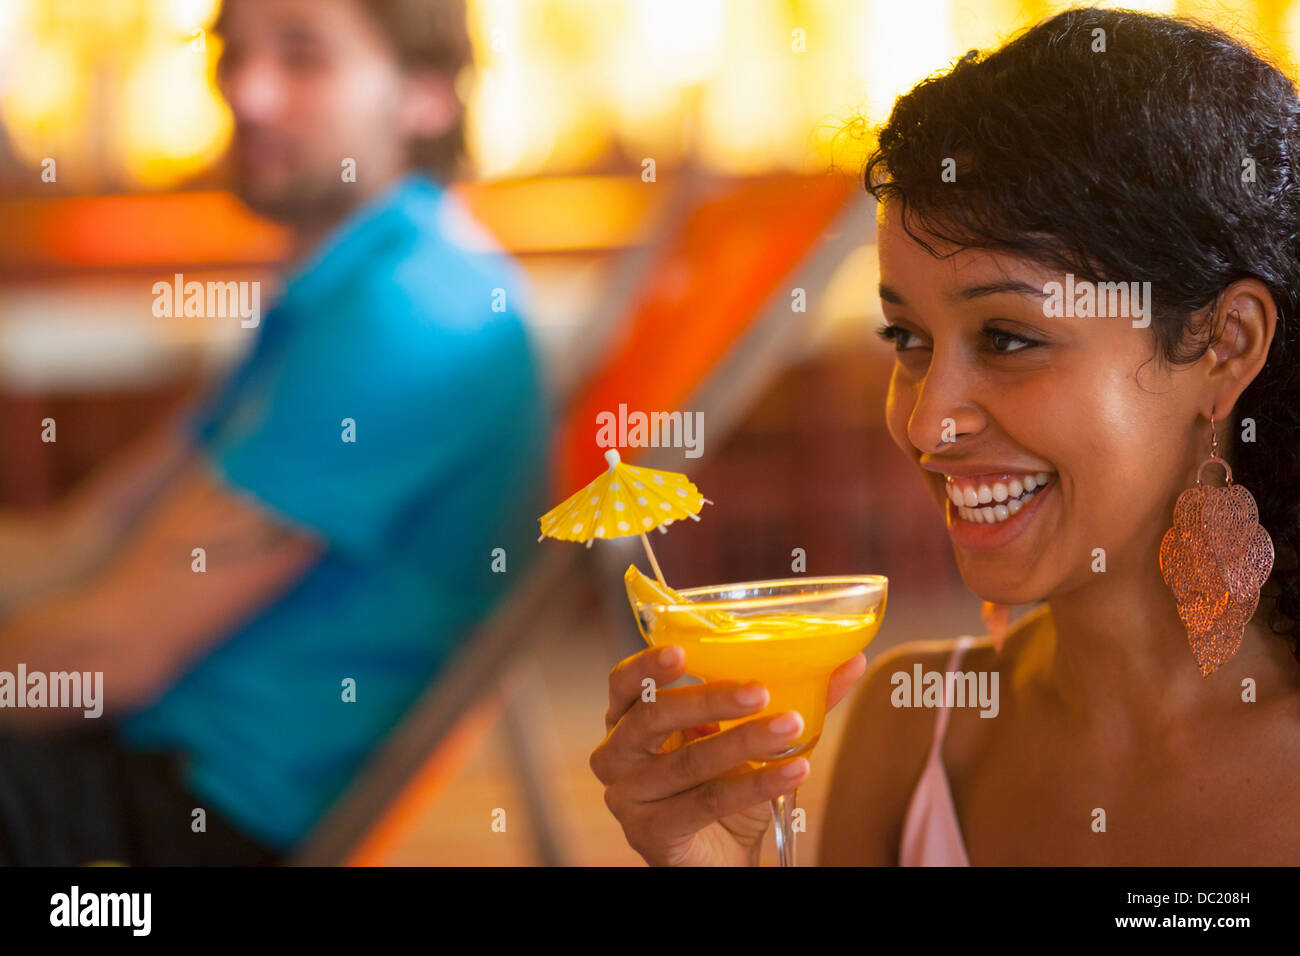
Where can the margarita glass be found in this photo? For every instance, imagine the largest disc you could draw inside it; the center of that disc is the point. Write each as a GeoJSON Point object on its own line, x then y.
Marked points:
{"type": "Point", "coordinates": [789, 635]}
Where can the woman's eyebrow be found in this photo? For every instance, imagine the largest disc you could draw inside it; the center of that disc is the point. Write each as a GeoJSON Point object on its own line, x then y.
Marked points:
{"type": "Point", "coordinates": [1000, 288]}
{"type": "Point", "coordinates": [892, 295]}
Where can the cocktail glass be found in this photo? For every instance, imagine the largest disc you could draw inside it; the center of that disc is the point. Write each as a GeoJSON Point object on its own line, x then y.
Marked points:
{"type": "Point", "coordinates": [788, 634]}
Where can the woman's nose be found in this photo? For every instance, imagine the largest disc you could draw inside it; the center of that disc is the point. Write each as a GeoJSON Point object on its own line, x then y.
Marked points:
{"type": "Point", "coordinates": [945, 410]}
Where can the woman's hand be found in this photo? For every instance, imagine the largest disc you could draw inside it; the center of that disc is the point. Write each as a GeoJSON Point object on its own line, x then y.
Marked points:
{"type": "Point", "coordinates": [681, 789]}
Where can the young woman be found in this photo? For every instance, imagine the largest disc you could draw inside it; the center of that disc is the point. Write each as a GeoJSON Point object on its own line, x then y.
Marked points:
{"type": "Point", "coordinates": [1057, 437]}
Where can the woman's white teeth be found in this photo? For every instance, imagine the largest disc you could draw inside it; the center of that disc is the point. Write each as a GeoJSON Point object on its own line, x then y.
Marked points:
{"type": "Point", "coordinates": [994, 514]}
{"type": "Point", "coordinates": [991, 505]}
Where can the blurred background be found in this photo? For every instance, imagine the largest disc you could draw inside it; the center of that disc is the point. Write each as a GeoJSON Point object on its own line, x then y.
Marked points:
{"type": "Point", "coordinates": [674, 167]}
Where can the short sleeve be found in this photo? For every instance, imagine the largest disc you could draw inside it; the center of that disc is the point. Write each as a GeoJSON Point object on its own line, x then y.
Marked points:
{"type": "Point", "coordinates": [353, 423]}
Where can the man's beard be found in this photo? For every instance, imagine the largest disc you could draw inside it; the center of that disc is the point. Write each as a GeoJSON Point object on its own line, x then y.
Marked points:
{"type": "Point", "coordinates": [301, 202]}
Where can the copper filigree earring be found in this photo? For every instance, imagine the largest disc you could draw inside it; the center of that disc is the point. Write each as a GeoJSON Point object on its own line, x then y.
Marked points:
{"type": "Point", "coordinates": [1215, 559]}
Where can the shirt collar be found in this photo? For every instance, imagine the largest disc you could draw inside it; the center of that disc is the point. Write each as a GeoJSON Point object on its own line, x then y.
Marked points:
{"type": "Point", "coordinates": [396, 212]}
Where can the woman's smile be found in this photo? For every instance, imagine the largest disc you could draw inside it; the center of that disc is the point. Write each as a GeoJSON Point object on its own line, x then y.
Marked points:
{"type": "Point", "coordinates": [993, 499]}
{"type": "Point", "coordinates": [1002, 520]}
{"type": "Point", "coordinates": [989, 504]}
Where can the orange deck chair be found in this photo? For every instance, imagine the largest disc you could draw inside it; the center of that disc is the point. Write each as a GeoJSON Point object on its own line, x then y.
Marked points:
{"type": "Point", "coordinates": [716, 295]}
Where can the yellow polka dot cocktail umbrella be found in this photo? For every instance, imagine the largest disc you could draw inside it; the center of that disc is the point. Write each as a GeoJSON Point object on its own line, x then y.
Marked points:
{"type": "Point", "coordinates": [624, 500]}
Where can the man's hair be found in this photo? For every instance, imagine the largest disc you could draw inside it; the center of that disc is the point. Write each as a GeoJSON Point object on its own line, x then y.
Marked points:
{"type": "Point", "coordinates": [426, 35]}
{"type": "Point", "coordinates": [430, 35]}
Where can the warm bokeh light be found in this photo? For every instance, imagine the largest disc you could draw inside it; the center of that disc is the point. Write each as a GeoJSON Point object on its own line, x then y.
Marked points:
{"type": "Point", "coordinates": [173, 122]}
{"type": "Point", "coordinates": [184, 17]}
{"type": "Point", "coordinates": [50, 102]}
{"type": "Point", "coordinates": [742, 86]}
{"type": "Point", "coordinates": [122, 91]}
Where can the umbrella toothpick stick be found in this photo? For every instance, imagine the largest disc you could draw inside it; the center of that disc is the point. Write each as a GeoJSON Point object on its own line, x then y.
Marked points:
{"type": "Point", "coordinates": [649, 553]}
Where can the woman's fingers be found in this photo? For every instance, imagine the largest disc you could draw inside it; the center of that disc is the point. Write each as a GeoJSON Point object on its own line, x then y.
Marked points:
{"type": "Point", "coordinates": [669, 771]}
{"type": "Point", "coordinates": [663, 665]}
{"type": "Point", "coordinates": [648, 725]}
{"type": "Point", "coordinates": [702, 760]}
{"type": "Point", "coordinates": [844, 677]}
{"type": "Point", "coordinates": [687, 813]}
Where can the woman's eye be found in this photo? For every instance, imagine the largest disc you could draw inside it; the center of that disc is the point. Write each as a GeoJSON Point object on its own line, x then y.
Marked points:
{"type": "Point", "coordinates": [896, 334]}
{"type": "Point", "coordinates": [1004, 341]}
{"type": "Point", "coordinates": [999, 340]}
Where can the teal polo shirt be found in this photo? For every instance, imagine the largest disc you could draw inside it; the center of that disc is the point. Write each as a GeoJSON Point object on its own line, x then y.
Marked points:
{"type": "Point", "coordinates": [411, 344]}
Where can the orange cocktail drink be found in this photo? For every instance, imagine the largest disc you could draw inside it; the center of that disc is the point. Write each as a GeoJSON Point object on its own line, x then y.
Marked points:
{"type": "Point", "coordinates": [789, 635]}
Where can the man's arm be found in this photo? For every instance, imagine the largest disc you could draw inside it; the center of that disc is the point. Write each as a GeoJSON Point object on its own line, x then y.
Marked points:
{"type": "Point", "coordinates": [145, 616]}
{"type": "Point", "coordinates": [42, 552]}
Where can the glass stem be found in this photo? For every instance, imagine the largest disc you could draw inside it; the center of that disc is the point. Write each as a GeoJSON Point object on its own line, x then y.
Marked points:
{"type": "Point", "coordinates": [783, 824]}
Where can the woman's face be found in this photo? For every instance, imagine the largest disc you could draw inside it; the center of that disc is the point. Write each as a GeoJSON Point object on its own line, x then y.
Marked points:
{"type": "Point", "coordinates": [1024, 396]}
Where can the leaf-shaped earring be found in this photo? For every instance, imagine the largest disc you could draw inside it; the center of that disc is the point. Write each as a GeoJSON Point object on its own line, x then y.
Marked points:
{"type": "Point", "coordinates": [995, 621]}
{"type": "Point", "coordinates": [1215, 559]}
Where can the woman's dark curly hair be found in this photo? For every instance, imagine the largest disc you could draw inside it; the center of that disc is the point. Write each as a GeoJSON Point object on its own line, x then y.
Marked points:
{"type": "Point", "coordinates": [1115, 144]}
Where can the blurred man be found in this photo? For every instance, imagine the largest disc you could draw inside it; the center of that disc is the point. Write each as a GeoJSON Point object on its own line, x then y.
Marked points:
{"type": "Point", "coordinates": [348, 486]}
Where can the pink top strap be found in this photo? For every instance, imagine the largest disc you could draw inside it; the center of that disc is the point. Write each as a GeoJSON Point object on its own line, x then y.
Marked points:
{"type": "Point", "coordinates": [954, 660]}
{"type": "Point", "coordinates": [931, 831]}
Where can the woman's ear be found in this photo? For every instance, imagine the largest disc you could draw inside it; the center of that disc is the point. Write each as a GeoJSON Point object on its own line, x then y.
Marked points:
{"type": "Point", "coordinates": [1245, 321]}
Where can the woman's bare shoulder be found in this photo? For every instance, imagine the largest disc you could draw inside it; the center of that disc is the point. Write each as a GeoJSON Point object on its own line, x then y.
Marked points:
{"type": "Point", "coordinates": [885, 697]}
{"type": "Point", "coordinates": [881, 756]}
{"type": "Point", "coordinates": [886, 740]}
